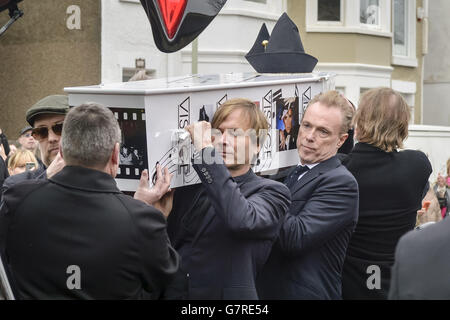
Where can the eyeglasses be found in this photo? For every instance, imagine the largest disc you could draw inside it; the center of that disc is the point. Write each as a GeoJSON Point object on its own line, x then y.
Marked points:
{"type": "Point", "coordinates": [41, 133]}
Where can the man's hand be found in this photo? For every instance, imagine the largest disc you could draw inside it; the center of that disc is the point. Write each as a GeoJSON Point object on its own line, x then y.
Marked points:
{"type": "Point", "coordinates": [162, 185]}
{"type": "Point", "coordinates": [421, 212]}
{"type": "Point", "coordinates": [56, 166]}
{"type": "Point", "coordinates": [200, 134]}
{"type": "Point", "coordinates": [165, 203]}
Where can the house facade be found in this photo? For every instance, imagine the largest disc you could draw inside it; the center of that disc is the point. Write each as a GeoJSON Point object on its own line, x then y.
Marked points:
{"type": "Point", "coordinates": [367, 43]}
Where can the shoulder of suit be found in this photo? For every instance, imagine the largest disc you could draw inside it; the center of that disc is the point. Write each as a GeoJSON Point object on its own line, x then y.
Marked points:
{"type": "Point", "coordinates": [426, 240]}
{"type": "Point", "coordinates": [412, 155]}
{"type": "Point", "coordinates": [340, 175]}
{"type": "Point", "coordinates": [415, 157]}
{"type": "Point", "coordinates": [134, 206]}
{"type": "Point", "coordinates": [269, 183]}
{"type": "Point", "coordinates": [19, 189]}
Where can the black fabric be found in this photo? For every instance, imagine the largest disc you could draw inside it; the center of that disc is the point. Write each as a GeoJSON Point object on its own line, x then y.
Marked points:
{"type": "Point", "coordinates": [284, 52]}
{"type": "Point", "coordinates": [347, 147]}
{"type": "Point", "coordinates": [234, 236]}
{"type": "Point", "coordinates": [293, 177]}
{"type": "Point", "coordinates": [3, 172]}
{"type": "Point", "coordinates": [79, 217]}
{"type": "Point", "coordinates": [306, 261]}
{"type": "Point", "coordinates": [4, 143]}
{"type": "Point", "coordinates": [391, 186]}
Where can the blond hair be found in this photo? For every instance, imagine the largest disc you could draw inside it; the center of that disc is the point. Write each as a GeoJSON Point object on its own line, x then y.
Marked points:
{"type": "Point", "coordinates": [448, 167]}
{"type": "Point", "coordinates": [382, 119]}
{"type": "Point", "coordinates": [334, 99]}
{"type": "Point", "coordinates": [21, 158]}
{"type": "Point", "coordinates": [257, 119]}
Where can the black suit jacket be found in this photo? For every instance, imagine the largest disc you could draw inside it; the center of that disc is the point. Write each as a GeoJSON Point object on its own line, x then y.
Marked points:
{"type": "Point", "coordinates": [306, 261]}
{"type": "Point", "coordinates": [231, 237]}
{"type": "Point", "coordinates": [3, 172]}
{"type": "Point", "coordinates": [422, 264]}
{"type": "Point", "coordinates": [80, 218]}
{"type": "Point", "coordinates": [391, 188]}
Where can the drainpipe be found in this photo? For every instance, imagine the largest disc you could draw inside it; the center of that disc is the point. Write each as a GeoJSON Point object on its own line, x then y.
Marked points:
{"type": "Point", "coordinates": [425, 22]}
{"type": "Point", "coordinates": [194, 66]}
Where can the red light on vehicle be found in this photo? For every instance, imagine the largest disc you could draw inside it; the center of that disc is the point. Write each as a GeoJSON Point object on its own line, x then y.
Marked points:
{"type": "Point", "coordinates": [172, 11]}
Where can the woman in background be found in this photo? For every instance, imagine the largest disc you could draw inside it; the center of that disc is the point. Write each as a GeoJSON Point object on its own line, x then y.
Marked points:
{"type": "Point", "coordinates": [22, 161]}
{"type": "Point", "coordinates": [392, 184]}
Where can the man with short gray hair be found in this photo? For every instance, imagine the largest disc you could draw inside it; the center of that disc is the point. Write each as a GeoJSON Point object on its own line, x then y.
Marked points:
{"type": "Point", "coordinates": [84, 238]}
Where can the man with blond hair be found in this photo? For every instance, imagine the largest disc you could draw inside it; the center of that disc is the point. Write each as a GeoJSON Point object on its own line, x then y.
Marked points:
{"type": "Point", "coordinates": [224, 227]}
{"type": "Point", "coordinates": [306, 261]}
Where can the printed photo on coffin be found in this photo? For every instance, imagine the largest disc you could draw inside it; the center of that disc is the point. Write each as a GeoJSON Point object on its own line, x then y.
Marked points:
{"type": "Point", "coordinates": [133, 149]}
{"type": "Point", "coordinates": [288, 123]}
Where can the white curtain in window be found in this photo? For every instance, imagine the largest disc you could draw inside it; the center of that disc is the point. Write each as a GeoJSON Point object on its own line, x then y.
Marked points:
{"type": "Point", "coordinates": [370, 12]}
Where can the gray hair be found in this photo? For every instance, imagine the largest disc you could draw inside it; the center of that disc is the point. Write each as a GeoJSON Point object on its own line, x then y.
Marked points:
{"type": "Point", "coordinates": [89, 135]}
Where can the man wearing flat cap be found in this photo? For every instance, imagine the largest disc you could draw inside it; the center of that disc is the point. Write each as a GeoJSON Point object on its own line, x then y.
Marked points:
{"type": "Point", "coordinates": [46, 118]}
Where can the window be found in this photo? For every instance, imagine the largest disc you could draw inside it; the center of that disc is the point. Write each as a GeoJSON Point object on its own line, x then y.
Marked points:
{"type": "Point", "coordinates": [349, 16]}
{"type": "Point", "coordinates": [404, 33]}
{"type": "Point", "coordinates": [400, 28]}
{"type": "Point", "coordinates": [329, 10]}
{"type": "Point", "coordinates": [369, 12]}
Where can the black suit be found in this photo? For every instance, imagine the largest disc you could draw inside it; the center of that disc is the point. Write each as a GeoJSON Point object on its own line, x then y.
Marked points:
{"type": "Point", "coordinates": [3, 172]}
{"type": "Point", "coordinates": [224, 229]}
{"type": "Point", "coordinates": [391, 188]}
{"type": "Point", "coordinates": [80, 218]}
{"type": "Point", "coordinates": [422, 264]}
{"type": "Point", "coordinates": [307, 259]}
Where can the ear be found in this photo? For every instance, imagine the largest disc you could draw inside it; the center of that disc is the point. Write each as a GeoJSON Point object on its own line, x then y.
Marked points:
{"type": "Point", "coordinates": [115, 154]}
{"type": "Point", "coordinates": [342, 139]}
{"type": "Point", "coordinates": [60, 151]}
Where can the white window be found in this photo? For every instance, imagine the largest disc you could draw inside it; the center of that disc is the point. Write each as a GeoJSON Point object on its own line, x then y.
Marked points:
{"type": "Point", "coordinates": [404, 33]}
{"type": "Point", "coordinates": [349, 16]}
{"type": "Point", "coordinates": [269, 10]}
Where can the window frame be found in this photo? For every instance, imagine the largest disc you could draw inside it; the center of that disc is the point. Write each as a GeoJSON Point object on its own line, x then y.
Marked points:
{"type": "Point", "coordinates": [410, 60]}
{"type": "Point", "coordinates": [350, 23]}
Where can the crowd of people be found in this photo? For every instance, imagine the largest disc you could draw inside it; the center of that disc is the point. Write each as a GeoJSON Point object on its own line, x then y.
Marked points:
{"type": "Point", "coordinates": [341, 225]}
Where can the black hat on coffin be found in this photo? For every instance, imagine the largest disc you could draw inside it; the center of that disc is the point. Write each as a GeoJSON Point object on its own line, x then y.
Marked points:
{"type": "Point", "coordinates": [283, 53]}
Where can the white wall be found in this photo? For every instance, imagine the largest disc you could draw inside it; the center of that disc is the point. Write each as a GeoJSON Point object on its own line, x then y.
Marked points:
{"type": "Point", "coordinates": [127, 35]}
{"type": "Point", "coordinates": [223, 45]}
{"type": "Point", "coordinates": [437, 66]}
{"type": "Point", "coordinates": [434, 142]}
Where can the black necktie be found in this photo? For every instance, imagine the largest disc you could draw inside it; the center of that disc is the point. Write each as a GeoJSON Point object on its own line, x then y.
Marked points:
{"type": "Point", "coordinates": [293, 178]}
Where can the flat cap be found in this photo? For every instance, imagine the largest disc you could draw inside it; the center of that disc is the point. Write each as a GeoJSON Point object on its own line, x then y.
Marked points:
{"type": "Point", "coordinates": [26, 129]}
{"type": "Point", "coordinates": [54, 104]}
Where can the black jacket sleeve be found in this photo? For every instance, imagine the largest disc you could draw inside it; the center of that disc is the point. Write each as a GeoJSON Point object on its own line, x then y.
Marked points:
{"type": "Point", "coordinates": [256, 216]}
{"type": "Point", "coordinates": [159, 260]}
{"type": "Point", "coordinates": [327, 211]}
{"type": "Point", "coordinates": [4, 143]}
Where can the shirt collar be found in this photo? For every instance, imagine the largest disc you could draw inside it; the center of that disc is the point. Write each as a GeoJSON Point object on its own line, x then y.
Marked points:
{"type": "Point", "coordinates": [310, 166]}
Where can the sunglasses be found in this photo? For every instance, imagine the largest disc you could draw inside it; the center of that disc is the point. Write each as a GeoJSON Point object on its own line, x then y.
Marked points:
{"type": "Point", "coordinates": [41, 133]}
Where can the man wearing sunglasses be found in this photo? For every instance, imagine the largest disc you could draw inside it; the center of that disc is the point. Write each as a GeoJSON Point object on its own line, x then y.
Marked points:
{"type": "Point", "coordinates": [46, 118]}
